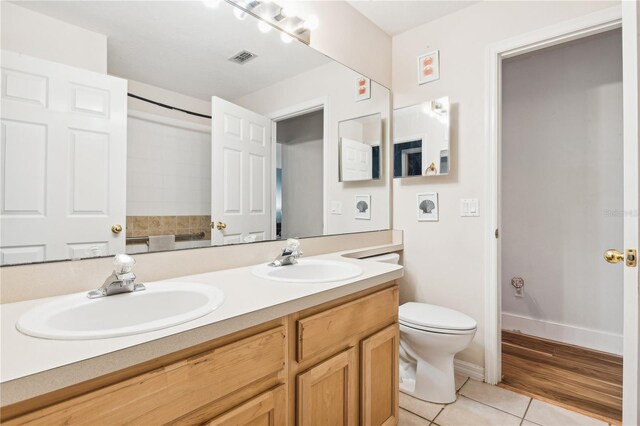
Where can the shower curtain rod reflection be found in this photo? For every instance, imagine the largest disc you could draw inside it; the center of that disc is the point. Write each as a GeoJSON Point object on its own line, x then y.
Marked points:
{"type": "Point", "coordinates": [131, 95]}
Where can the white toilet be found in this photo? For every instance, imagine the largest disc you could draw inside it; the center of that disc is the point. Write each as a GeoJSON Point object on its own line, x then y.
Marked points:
{"type": "Point", "coordinates": [430, 336]}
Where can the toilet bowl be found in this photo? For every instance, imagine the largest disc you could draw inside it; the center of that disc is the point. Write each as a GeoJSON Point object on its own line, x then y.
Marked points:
{"type": "Point", "coordinates": [430, 336]}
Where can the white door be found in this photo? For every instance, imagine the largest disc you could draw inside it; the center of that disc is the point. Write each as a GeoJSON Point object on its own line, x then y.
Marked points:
{"type": "Point", "coordinates": [240, 174]}
{"type": "Point", "coordinates": [63, 161]}
{"type": "Point", "coordinates": [631, 136]}
{"type": "Point", "coordinates": [355, 160]}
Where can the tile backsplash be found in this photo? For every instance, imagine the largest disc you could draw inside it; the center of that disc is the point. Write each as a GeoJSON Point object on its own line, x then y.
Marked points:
{"type": "Point", "coordinates": [144, 226]}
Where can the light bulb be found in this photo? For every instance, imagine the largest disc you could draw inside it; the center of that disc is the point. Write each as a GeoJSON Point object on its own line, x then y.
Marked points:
{"type": "Point", "coordinates": [239, 13]}
{"type": "Point", "coordinates": [286, 38]}
{"type": "Point", "coordinates": [264, 27]}
{"type": "Point", "coordinates": [312, 22]}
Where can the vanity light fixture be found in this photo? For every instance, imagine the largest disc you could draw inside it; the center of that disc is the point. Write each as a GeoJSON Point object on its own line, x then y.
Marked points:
{"type": "Point", "coordinates": [272, 14]}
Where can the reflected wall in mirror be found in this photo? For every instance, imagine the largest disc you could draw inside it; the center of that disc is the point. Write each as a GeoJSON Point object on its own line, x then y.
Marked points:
{"type": "Point", "coordinates": [421, 139]}
{"type": "Point", "coordinates": [149, 126]}
{"type": "Point", "coordinates": [360, 145]}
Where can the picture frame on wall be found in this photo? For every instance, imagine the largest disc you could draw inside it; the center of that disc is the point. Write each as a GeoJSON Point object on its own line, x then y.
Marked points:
{"type": "Point", "coordinates": [363, 88]}
{"type": "Point", "coordinates": [363, 207]}
{"type": "Point", "coordinates": [427, 207]}
{"type": "Point", "coordinates": [429, 67]}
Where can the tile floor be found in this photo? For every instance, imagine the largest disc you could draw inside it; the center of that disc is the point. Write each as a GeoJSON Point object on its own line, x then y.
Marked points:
{"type": "Point", "coordinates": [482, 404]}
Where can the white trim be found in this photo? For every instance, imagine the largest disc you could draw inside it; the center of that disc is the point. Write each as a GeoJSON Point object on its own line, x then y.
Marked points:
{"type": "Point", "coordinates": [631, 136]}
{"type": "Point", "coordinates": [570, 334]}
{"type": "Point", "coordinates": [468, 369]}
{"type": "Point", "coordinates": [306, 107]}
{"type": "Point", "coordinates": [584, 26]}
{"type": "Point", "coordinates": [173, 122]}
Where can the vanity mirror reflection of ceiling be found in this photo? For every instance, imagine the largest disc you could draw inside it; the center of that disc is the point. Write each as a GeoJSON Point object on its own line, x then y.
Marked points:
{"type": "Point", "coordinates": [397, 16]}
{"type": "Point", "coordinates": [185, 46]}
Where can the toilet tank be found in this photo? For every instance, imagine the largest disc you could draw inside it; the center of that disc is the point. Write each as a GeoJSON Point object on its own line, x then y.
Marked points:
{"type": "Point", "coordinates": [386, 258]}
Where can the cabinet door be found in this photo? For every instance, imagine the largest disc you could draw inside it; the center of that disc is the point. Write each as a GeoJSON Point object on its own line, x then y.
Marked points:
{"type": "Point", "coordinates": [379, 378]}
{"type": "Point", "coordinates": [327, 392]}
{"type": "Point", "coordinates": [267, 409]}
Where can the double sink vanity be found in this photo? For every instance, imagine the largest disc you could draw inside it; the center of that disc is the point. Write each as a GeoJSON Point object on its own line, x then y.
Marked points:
{"type": "Point", "coordinates": [295, 344]}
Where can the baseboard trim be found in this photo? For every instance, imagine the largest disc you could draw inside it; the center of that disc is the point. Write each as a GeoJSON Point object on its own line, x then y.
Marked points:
{"type": "Point", "coordinates": [468, 369]}
{"type": "Point", "coordinates": [572, 335]}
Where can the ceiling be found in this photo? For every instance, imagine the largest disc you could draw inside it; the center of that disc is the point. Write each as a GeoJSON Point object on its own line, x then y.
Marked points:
{"type": "Point", "coordinates": [185, 46]}
{"type": "Point", "coordinates": [397, 16]}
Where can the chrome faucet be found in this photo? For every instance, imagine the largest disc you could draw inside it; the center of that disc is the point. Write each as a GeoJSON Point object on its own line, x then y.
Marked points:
{"type": "Point", "coordinates": [121, 279]}
{"type": "Point", "coordinates": [289, 255]}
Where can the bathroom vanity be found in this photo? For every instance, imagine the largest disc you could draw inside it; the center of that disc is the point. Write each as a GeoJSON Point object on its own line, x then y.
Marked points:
{"type": "Point", "coordinates": [332, 359]}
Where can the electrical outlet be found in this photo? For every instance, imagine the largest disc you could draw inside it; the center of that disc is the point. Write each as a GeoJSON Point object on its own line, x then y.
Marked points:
{"type": "Point", "coordinates": [518, 292]}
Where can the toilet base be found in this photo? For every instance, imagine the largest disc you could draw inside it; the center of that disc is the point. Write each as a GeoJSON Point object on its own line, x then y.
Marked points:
{"type": "Point", "coordinates": [435, 381]}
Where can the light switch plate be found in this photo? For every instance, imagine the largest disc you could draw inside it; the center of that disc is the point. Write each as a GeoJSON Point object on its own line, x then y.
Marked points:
{"type": "Point", "coordinates": [469, 207]}
{"type": "Point", "coordinates": [336, 207]}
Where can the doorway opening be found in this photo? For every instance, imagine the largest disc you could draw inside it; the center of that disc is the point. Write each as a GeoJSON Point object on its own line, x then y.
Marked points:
{"type": "Point", "coordinates": [299, 198]}
{"type": "Point", "coordinates": [560, 208]}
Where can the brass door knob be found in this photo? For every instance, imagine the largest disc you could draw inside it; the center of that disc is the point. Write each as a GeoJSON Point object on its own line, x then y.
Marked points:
{"type": "Point", "coordinates": [220, 226]}
{"type": "Point", "coordinates": [630, 256]}
{"type": "Point", "coordinates": [116, 229]}
{"type": "Point", "coordinates": [613, 256]}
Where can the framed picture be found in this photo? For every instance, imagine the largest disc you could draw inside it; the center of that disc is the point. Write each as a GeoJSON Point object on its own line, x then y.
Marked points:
{"type": "Point", "coordinates": [363, 207]}
{"type": "Point", "coordinates": [428, 207]}
{"type": "Point", "coordinates": [363, 88]}
{"type": "Point", "coordinates": [429, 67]}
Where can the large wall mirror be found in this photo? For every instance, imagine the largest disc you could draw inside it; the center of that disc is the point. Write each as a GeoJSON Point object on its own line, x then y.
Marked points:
{"type": "Point", "coordinates": [421, 139]}
{"type": "Point", "coordinates": [149, 126]}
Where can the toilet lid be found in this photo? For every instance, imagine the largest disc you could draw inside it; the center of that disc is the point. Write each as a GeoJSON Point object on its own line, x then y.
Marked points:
{"type": "Point", "coordinates": [433, 316]}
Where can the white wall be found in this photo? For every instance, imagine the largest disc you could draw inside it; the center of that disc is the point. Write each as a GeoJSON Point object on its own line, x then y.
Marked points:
{"type": "Point", "coordinates": [38, 35]}
{"type": "Point", "coordinates": [302, 175]}
{"type": "Point", "coordinates": [561, 186]}
{"type": "Point", "coordinates": [336, 83]}
{"type": "Point", "coordinates": [347, 36]}
{"type": "Point", "coordinates": [444, 260]}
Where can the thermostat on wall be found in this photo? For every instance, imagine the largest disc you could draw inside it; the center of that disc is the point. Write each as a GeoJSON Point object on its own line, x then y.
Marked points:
{"type": "Point", "coordinates": [429, 67]}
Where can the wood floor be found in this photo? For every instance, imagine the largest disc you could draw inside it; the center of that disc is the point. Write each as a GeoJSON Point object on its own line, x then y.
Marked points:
{"type": "Point", "coordinates": [575, 377]}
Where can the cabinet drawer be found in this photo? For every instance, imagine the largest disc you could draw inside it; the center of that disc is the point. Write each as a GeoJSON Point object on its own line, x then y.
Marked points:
{"type": "Point", "coordinates": [167, 393]}
{"type": "Point", "coordinates": [336, 326]}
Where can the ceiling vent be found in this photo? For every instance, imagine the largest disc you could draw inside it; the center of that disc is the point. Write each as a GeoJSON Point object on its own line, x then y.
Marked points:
{"type": "Point", "coordinates": [243, 57]}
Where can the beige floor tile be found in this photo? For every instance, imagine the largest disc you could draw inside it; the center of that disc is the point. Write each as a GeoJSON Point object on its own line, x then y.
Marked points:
{"type": "Point", "coordinates": [460, 380]}
{"type": "Point", "coordinates": [496, 397]}
{"type": "Point", "coordinates": [551, 415]}
{"type": "Point", "coordinates": [424, 409]}
{"type": "Point", "coordinates": [466, 412]}
{"type": "Point", "coordinates": [528, 423]}
{"type": "Point", "coordinates": [410, 419]}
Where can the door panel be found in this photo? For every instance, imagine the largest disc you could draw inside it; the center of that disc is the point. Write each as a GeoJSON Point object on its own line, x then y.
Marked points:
{"type": "Point", "coordinates": [379, 403]}
{"type": "Point", "coordinates": [240, 174]}
{"type": "Point", "coordinates": [327, 393]}
{"type": "Point", "coordinates": [267, 409]}
{"type": "Point", "coordinates": [63, 161]}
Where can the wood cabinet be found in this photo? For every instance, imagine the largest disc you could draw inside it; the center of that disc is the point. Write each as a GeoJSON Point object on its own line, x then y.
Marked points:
{"type": "Point", "coordinates": [327, 392]}
{"type": "Point", "coordinates": [333, 364]}
{"type": "Point", "coordinates": [379, 377]}
{"type": "Point", "coordinates": [268, 409]}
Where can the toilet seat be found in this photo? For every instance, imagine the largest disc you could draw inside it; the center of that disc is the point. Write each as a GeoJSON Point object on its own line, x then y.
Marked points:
{"type": "Point", "coordinates": [435, 319]}
{"type": "Point", "coordinates": [435, 330]}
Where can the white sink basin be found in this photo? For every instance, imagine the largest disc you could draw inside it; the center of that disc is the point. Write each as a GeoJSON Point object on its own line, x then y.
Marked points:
{"type": "Point", "coordinates": [161, 305]}
{"type": "Point", "coordinates": [309, 271]}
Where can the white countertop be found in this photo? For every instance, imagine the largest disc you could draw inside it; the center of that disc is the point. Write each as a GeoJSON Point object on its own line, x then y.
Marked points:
{"type": "Point", "coordinates": [249, 301]}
